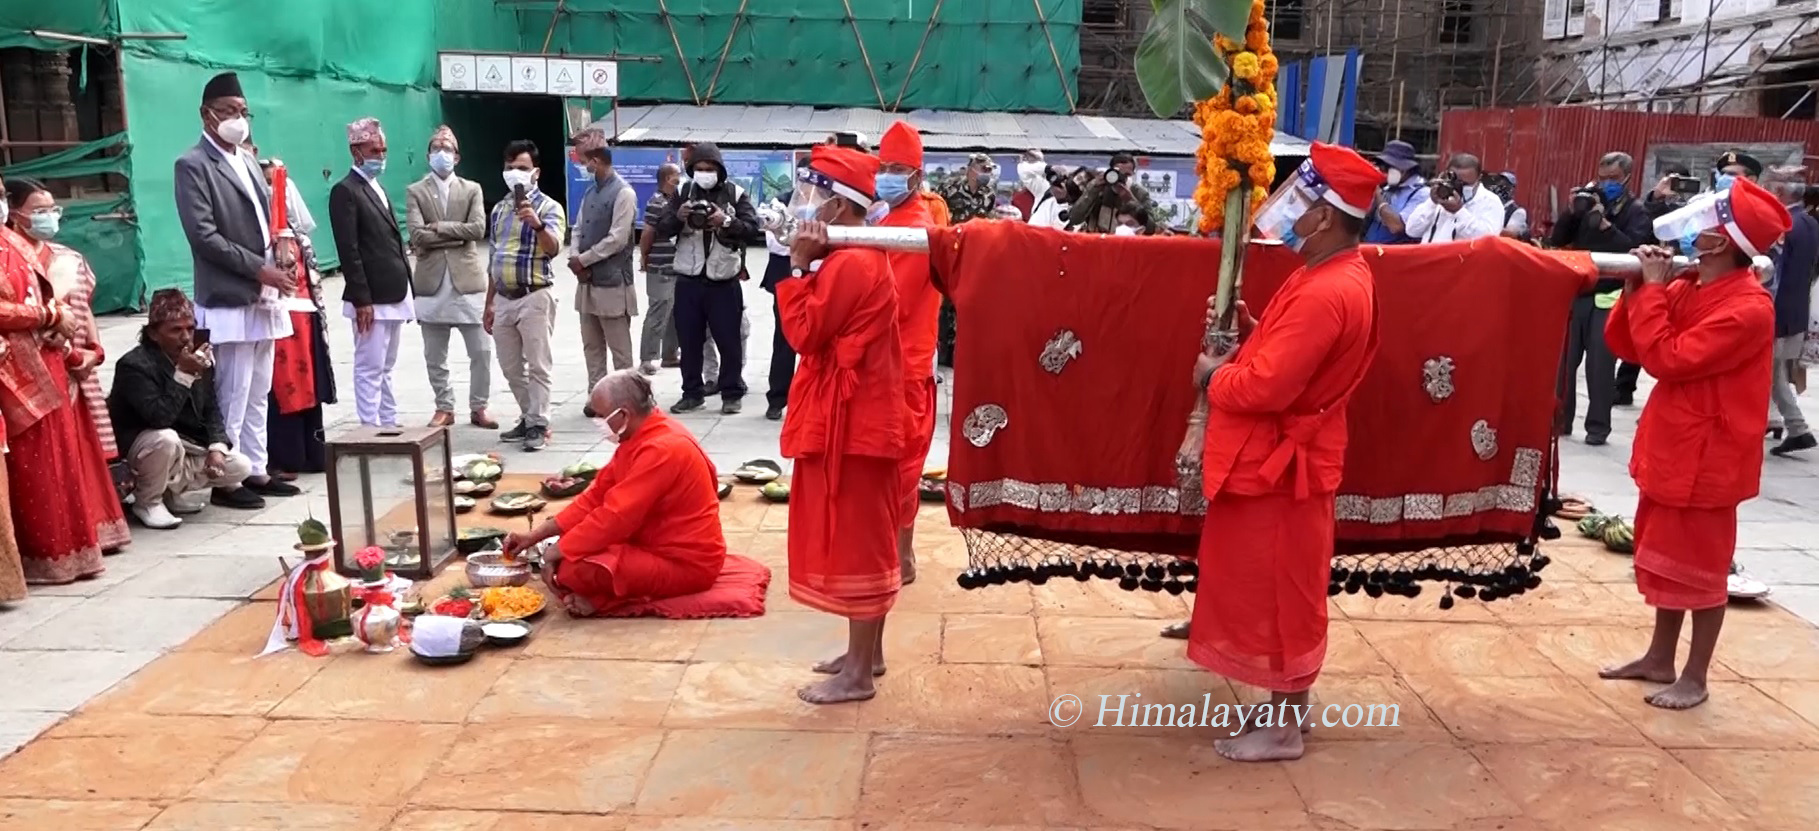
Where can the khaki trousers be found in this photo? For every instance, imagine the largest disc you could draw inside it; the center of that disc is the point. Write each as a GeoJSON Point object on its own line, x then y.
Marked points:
{"type": "Point", "coordinates": [522, 331]}
{"type": "Point", "coordinates": [164, 464]}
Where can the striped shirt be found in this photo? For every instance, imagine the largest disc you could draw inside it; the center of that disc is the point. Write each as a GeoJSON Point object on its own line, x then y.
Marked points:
{"type": "Point", "coordinates": [518, 264]}
{"type": "Point", "coordinates": [663, 251]}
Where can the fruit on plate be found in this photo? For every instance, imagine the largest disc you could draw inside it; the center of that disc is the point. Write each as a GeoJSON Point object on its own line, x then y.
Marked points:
{"type": "Point", "coordinates": [510, 602]}
{"type": "Point", "coordinates": [458, 603]}
{"type": "Point", "coordinates": [1618, 536]}
{"type": "Point", "coordinates": [585, 471]}
{"type": "Point", "coordinates": [517, 502]}
{"type": "Point", "coordinates": [482, 489]}
{"type": "Point", "coordinates": [775, 491]}
{"type": "Point", "coordinates": [463, 504]}
{"type": "Point", "coordinates": [466, 459]}
{"type": "Point", "coordinates": [463, 487]}
{"type": "Point", "coordinates": [563, 487]}
{"type": "Point", "coordinates": [482, 470]}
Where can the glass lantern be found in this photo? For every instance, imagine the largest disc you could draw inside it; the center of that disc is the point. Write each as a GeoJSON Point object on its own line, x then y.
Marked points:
{"type": "Point", "coordinates": [392, 487]}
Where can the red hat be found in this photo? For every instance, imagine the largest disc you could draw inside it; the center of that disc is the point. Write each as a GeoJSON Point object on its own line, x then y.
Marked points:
{"type": "Point", "coordinates": [845, 171]}
{"type": "Point", "coordinates": [1351, 180]}
{"type": "Point", "coordinates": [1752, 217]}
{"type": "Point", "coordinates": [901, 145]}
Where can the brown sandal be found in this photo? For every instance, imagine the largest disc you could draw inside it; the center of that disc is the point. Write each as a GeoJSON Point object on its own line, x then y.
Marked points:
{"type": "Point", "coordinates": [1573, 508]}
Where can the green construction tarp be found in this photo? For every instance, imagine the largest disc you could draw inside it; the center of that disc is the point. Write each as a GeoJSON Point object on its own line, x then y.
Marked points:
{"type": "Point", "coordinates": [102, 228]}
{"type": "Point", "coordinates": [81, 18]}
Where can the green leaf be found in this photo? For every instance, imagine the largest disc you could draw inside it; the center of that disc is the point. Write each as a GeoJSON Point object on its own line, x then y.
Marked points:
{"type": "Point", "coordinates": [1176, 61]}
{"type": "Point", "coordinates": [1227, 17]}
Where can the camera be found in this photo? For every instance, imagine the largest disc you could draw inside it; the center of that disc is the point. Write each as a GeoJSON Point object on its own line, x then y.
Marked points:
{"type": "Point", "coordinates": [1114, 176]}
{"type": "Point", "coordinates": [1586, 196]}
{"type": "Point", "coordinates": [1683, 185]}
{"type": "Point", "coordinates": [1443, 188]}
{"type": "Point", "coordinates": [695, 212]}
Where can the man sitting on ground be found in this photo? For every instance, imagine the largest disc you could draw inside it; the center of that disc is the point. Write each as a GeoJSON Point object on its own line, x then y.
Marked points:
{"type": "Point", "coordinates": [648, 528]}
{"type": "Point", "coordinates": [163, 408]}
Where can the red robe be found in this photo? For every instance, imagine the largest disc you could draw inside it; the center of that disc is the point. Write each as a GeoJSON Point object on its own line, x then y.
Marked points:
{"type": "Point", "coordinates": [1275, 453]}
{"type": "Point", "coordinates": [918, 323]}
{"type": "Point", "coordinates": [648, 528]}
{"type": "Point", "coordinates": [845, 428]}
{"type": "Point", "coordinates": [1698, 452]}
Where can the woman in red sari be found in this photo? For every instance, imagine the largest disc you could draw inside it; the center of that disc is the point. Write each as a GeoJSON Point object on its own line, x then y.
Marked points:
{"type": "Point", "coordinates": [51, 440]}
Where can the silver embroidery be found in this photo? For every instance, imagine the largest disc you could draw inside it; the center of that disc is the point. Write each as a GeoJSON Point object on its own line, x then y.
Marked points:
{"type": "Point", "coordinates": [1437, 378]}
{"type": "Point", "coordinates": [1061, 348]}
{"type": "Point", "coordinates": [1526, 470]}
{"type": "Point", "coordinates": [1484, 440]}
{"type": "Point", "coordinates": [956, 496]}
{"type": "Point", "coordinates": [983, 423]}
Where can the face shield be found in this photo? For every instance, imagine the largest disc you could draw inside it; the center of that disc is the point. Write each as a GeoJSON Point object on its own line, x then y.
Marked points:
{"type": "Point", "coordinates": [1707, 212]}
{"type": "Point", "coordinates": [1277, 215]}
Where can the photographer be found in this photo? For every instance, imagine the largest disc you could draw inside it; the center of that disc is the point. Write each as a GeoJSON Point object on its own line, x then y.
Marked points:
{"type": "Point", "coordinates": [1405, 189]}
{"type": "Point", "coordinates": [1051, 210]}
{"type": "Point", "coordinates": [1604, 218]}
{"type": "Point", "coordinates": [1675, 187]}
{"type": "Point", "coordinates": [1097, 209]}
{"type": "Point", "coordinates": [1515, 217]}
{"type": "Point", "coordinates": [713, 221]}
{"type": "Point", "coordinates": [1459, 207]}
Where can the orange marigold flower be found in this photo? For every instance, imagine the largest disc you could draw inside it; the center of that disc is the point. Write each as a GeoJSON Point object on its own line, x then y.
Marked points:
{"type": "Point", "coordinates": [1247, 105]}
{"type": "Point", "coordinates": [1270, 63]}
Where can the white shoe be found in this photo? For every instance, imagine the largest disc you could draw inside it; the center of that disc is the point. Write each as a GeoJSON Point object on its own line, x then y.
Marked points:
{"type": "Point", "coordinates": [156, 517]}
{"type": "Point", "coordinates": [186, 504]}
{"type": "Point", "coordinates": [1742, 587]}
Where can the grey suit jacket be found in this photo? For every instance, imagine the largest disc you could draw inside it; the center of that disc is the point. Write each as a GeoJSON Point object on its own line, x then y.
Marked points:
{"type": "Point", "coordinates": [451, 238]}
{"type": "Point", "coordinates": [226, 236]}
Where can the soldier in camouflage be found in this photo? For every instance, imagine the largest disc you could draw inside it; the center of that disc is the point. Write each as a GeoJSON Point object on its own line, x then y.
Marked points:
{"type": "Point", "coordinates": [972, 195]}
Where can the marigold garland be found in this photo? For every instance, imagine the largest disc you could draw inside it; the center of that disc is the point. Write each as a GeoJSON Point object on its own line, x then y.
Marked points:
{"type": "Point", "coordinates": [1235, 137]}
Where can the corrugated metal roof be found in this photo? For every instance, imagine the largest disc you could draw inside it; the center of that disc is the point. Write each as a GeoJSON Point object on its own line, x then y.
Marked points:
{"type": "Point", "coordinates": [734, 125]}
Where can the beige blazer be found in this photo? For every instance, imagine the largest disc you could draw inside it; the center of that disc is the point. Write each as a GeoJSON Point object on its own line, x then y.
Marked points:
{"type": "Point", "coordinates": [452, 237]}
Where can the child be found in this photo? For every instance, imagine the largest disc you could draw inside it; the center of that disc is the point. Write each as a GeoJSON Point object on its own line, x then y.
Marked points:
{"type": "Point", "coordinates": [1707, 338]}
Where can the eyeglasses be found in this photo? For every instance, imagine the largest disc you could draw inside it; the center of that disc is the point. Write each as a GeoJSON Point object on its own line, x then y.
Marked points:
{"type": "Point", "coordinates": [240, 112]}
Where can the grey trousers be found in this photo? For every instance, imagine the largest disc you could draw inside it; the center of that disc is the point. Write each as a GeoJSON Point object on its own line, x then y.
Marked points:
{"type": "Point", "coordinates": [710, 357]}
{"type": "Point", "coordinates": [1786, 411]}
{"type": "Point", "coordinates": [1585, 345]}
{"type": "Point", "coordinates": [603, 338]}
{"type": "Point", "coordinates": [479, 364]}
{"type": "Point", "coordinates": [658, 342]}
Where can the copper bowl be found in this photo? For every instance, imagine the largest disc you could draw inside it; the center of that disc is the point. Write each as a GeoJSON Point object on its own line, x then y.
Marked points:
{"type": "Point", "coordinates": [489, 569]}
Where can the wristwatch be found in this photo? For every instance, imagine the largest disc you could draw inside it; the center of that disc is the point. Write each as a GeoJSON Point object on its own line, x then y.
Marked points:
{"type": "Point", "coordinates": [813, 267]}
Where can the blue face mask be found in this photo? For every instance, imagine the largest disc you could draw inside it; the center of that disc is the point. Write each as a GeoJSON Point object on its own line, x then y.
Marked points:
{"type": "Point", "coordinates": [372, 168]}
{"type": "Point", "coordinates": [1723, 181]}
{"type": "Point", "coordinates": [1293, 240]}
{"type": "Point", "coordinates": [1686, 244]}
{"type": "Point", "coordinates": [1612, 191]}
{"type": "Point", "coordinates": [441, 161]}
{"type": "Point", "coordinates": [893, 187]}
{"type": "Point", "coordinates": [44, 226]}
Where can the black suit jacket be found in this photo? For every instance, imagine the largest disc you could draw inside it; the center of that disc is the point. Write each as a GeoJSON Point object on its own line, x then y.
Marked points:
{"type": "Point", "coordinates": [371, 248]}
{"type": "Point", "coordinates": [147, 396]}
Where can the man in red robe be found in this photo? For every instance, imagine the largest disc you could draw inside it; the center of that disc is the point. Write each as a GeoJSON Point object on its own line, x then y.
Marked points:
{"type": "Point", "coordinates": [846, 422]}
{"type": "Point", "coordinates": [648, 527]}
{"type": "Point", "coordinates": [1708, 340]}
{"type": "Point", "coordinates": [918, 320]}
{"type": "Point", "coordinates": [1275, 450]}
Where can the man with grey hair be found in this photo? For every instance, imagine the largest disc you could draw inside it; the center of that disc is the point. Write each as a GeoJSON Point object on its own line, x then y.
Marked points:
{"type": "Point", "coordinates": [1795, 259]}
{"type": "Point", "coordinates": [1459, 206]}
{"type": "Point", "coordinates": [648, 528]}
{"type": "Point", "coordinates": [1604, 217]}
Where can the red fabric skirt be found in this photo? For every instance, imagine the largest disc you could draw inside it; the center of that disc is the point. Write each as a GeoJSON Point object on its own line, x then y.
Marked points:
{"type": "Point", "coordinates": [98, 494]}
{"type": "Point", "coordinates": [629, 574]}
{"type": "Point", "coordinates": [52, 518]}
{"type": "Point", "coordinates": [293, 367]}
{"type": "Point", "coordinates": [1683, 555]}
{"type": "Point", "coordinates": [921, 397]}
{"type": "Point", "coordinates": [1260, 612]}
{"type": "Point", "coordinates": [843, 545]}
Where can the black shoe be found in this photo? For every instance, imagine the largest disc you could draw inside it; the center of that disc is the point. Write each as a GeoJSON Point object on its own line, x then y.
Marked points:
{"type": "Point", "coordinates": [1794, 444]}
{"type": "Point", "coordinates": [240, 498]}
{"type": "Point", "coordinates": [1625, 399]}
{"type": "Point", "coordinates": [1596, 441]}
{"type": "Point", "coordinates": [730, 406]}
{"type": "Point", "coordinates": [588, 410]}
{"type": "Point", "coordinates": [516, 433]}
{"type": "Point", "coordinates": [272, 487]}
{"type": "Point", "coordinates": [688, 404]}
{"type": "Point", "coordinates": [774, 413]}
{"type": "Point", "coordinates": [710, 389]}
{"type": "Point", "coordinates": [535, 438]}
{"type": "Point", "coordinates": [1776, 433]}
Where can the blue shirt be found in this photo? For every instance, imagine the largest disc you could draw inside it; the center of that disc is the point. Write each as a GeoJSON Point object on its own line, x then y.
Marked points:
{"type": "Point", "coordinates": [1403, 199]}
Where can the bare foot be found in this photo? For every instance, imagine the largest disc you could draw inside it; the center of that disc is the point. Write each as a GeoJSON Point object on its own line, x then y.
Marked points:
{"type": "Point", "coordinates": [1266, 744]}
{"type": "Point", "coordinates": [837, 690]}
{"type": "Point", "coordinates": [1256, 724]}
{"type": "Point", "coordinates": [1641, 669]}
{"type": "Point", "coordinates": [576, 605]}
{"type": "Point", "coordinates": [832, 666]}
{"type": "Point", "coordinates": [1177, 631]}
{"type": "Point", "coordinates": [908, 567]}
{"type": "Point", "coordinates": [1680, 695]}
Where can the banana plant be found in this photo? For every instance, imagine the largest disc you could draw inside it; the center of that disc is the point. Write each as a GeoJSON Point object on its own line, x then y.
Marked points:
{"type": "Point", "coordinates": [1176, 61]}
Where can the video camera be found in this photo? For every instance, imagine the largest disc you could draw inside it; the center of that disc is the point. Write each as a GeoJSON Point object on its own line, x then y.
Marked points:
{"type": "Point", "coordinates": [695, 212]}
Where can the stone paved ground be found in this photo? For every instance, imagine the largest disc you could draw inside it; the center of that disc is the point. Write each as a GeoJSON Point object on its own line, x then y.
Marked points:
{"type": "Point", "coordinates": [693, 725]}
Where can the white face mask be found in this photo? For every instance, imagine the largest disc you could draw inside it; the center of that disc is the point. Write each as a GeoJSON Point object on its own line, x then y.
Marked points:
{"type": "Point", "coordinates": [515, 178]}
{"type": "Point", "coordinates": [1393, 176]}
{"type": "Point", "coordinates": [1124, 231]}
{"type": "Point", "coordinates": [706, 179]}
{"type": "Point", "coordinates": [606, 427]}
{"type": "Point", "coordinates": [234, 131]}
{"type": "Point", "coordinates": [4, 211]}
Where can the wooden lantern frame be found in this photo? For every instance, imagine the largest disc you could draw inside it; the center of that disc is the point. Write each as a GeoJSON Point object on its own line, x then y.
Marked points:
{"type": "Point", "coordinates": [415, 444]}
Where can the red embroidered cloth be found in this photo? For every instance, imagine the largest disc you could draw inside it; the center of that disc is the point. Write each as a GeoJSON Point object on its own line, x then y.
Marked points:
{"type": "Point", "coordinates": [1072, 390]}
